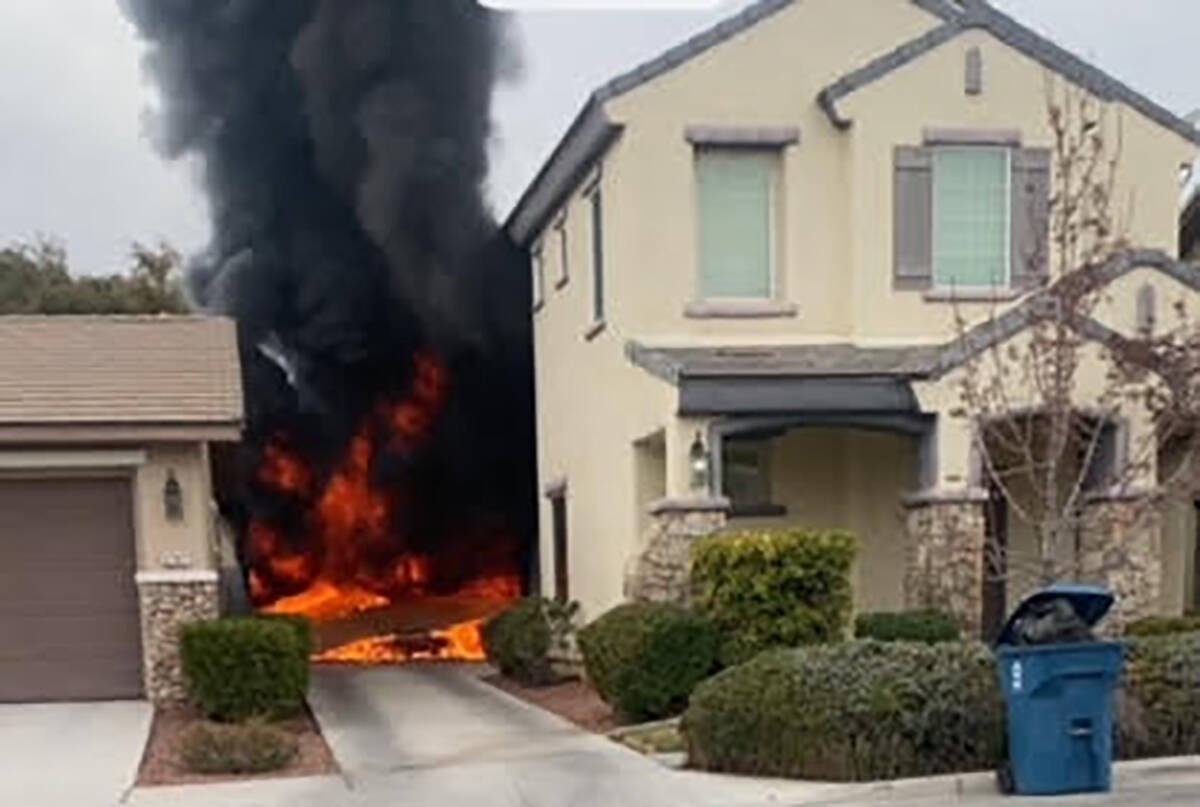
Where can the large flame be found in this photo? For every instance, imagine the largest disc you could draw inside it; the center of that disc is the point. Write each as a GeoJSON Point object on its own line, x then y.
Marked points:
{"type": "Point", "coordinates": [352, 562]}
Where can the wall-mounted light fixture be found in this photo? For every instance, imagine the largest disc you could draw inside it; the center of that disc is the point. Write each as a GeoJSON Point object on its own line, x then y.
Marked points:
{"type": "Point", "coordinates": [700, 464]}
{"type": "Point", "coordinates": [173, 498]}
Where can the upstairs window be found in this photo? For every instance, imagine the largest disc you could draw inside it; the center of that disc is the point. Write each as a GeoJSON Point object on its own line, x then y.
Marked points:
{"type": "Point", "coordinates": [738, 190]}
{"type": "Point", "coordinates": [564, 270]}
{"type": "Point", "coordinates": [972, 206]}
{"type": "Point", "coordinates": [597, 204]}
{"type": "Point", "coordinates": [971, 217]}
{"type": "Point", "coordinates": [538, 268]}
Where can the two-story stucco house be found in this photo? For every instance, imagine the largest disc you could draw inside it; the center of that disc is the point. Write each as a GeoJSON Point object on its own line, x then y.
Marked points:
{"type": "Point", "coordinates": [748, 259]}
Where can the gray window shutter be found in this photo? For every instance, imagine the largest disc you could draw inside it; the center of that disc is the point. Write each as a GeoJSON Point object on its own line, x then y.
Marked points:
{"type": "Point", "coordinates": [1030, 217]}
{"type": "Point", "coordinates": [912, 210]}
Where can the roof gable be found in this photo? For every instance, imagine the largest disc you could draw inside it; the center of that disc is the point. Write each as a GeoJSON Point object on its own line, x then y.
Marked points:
{"type": "Point", "coordinates": [592, 131]}
{"type": "Point", "coordinates": [979, 15]}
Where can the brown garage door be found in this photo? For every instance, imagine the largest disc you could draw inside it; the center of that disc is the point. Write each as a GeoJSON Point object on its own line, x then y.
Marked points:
{"type": "Point", "coordinates": [69, 625]}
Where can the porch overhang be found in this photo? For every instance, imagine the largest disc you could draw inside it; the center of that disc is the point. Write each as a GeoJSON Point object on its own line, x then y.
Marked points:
{"type": "Point", "coordinates": [795, 395]}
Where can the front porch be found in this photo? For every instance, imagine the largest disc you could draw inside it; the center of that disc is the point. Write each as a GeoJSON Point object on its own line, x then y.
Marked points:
{"type": "Point", "coordinates": [932, 533]}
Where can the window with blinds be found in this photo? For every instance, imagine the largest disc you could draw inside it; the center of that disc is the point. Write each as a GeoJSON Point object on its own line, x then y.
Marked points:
{"type": "Point", "coordinates": [971, 218]}
{"type": "Point", "coordinates": [737, 188]}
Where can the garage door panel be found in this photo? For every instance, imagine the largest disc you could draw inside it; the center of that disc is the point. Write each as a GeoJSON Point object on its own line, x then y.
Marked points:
{"type": "Point", "coordinates": [108, 679]}
{"type": "Point", "coordinates": [45, 587]}
{"type": "Point", "coordinates": [69, 621]}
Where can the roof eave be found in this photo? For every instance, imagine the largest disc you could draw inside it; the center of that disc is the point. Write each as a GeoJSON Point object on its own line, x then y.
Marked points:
{"type": "Point", "coordinates": [979, 15]}
{"type": "Point", "coordinates": [587, 139]}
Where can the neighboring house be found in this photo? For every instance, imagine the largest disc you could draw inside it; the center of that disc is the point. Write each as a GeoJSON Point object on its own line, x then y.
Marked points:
{"type": "Point", "coordinates": [107, 529]}
{"type": "Point", "coordinates": [748, 256]}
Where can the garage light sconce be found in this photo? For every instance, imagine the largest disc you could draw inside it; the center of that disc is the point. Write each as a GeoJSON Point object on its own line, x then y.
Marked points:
{"type": "Point", "coordinates": [700, 463]}
{"type": "Point", "coordinates": [173, 498]}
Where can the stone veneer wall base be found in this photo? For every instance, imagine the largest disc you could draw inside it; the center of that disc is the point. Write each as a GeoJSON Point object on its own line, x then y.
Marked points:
{"type": "Point", "coordinates": [944, 568]}
{"type": "Point", "coordinates": [662, 572]}
{"type": "Point", "coordinates": [168, 601]}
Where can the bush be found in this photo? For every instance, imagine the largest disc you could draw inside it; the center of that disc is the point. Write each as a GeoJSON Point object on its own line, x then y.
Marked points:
{"type": "Point", "coordinates": [245, 667]}
{"type": "Point", "coordinates": [929, 627]}
{"type": "Point", "coordinates": [1163, 625]}
{"type": "Point", "coordinates": [518, 642]}
{"type": "Point", "coordinates": [646, 658]}
{"type": "Point", "coordinates": [300, 625]}
{"type": "Point", "coordinates": [1156, 713]}
{"type": "Point", "coordinates": [252, 748]}
{"type": "Point", "coordinates": [774, 588]}
{"type": "Point", "coordinates": [858, 711]}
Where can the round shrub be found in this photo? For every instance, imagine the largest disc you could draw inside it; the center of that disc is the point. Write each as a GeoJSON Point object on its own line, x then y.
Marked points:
{"type": "Point", "coordinates": [766, 589]}
{"type": "Point", "coordinates": [1163, 626]}
{"type": "Point", "coordinates": [518, 642]}
{"type": "Point", "coordinates": [302, 627]}
{"type": "Point", "coordinates": [216, 748]}
{"type": "Point", "coordinates": [646, 658]}
{"type": "Point", "coordinates": [244, 667]}
{"type": "Point", "coordinates": [908, 626]}
{"type": "Point", "coordinates": [858, 711]}
{"type": "Point", "coordinates": [1156, 714]}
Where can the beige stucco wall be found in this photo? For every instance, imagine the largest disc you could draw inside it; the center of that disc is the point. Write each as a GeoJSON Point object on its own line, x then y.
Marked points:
{"type": "Point", "coordinates": [853, 480]}
{"type": "Point", "coordinates": [162, 543]}
{"type": "Point", "coordinates": [835, 243]}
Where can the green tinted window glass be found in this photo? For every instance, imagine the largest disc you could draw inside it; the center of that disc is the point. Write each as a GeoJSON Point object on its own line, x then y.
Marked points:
{"type": "Point", "coordinates": [736, 228]}
{"type": "Point", "coordinates": [971, 228]}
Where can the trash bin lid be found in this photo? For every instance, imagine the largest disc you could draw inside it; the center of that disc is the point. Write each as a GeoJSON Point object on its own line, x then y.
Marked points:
{"type": "Point", "coordinates": [1091, 603]}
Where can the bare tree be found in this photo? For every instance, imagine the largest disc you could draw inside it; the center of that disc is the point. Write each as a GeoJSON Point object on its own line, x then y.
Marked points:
{"type": "Point", "coordinates": [1069, 407]}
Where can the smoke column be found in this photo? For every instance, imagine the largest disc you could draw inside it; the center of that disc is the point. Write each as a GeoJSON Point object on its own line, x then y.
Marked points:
{"type": "Point", "coordinates": [343, 147]}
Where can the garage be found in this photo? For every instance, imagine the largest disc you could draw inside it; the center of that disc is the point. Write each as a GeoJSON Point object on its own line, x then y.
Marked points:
{"type": "Point", "coordinates": [69, 619]}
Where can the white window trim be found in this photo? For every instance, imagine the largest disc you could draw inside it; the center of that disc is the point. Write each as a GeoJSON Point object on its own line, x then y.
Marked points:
{"type": "Point", "coordinates": [772, 304]}
{"type": "Point", "coordinates": [953, 289]}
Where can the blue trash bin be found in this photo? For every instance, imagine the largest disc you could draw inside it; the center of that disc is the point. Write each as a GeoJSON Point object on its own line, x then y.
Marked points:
{"type": "Point", "coordinates": [1060, 701]}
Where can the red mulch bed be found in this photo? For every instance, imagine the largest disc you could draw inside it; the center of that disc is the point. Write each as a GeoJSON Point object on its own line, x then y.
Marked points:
{"type": "Point", "coordinates": [161, 764]}
{"type": "Point", "coordinates": [572, 699]}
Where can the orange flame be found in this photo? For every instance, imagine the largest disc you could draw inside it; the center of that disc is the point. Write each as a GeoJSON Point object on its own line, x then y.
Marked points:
{"type": "Point", "coordinates": [348, 527]}
{"type": "Point", "coordinates": [457, 643]}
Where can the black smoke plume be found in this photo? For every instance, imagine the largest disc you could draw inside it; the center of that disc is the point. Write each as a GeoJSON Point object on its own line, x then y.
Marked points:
{"type": "Point", "coordinates": [343, 146]}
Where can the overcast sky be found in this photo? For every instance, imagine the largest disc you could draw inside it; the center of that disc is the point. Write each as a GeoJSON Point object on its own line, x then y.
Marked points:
{"type": "Point", "coordinates": [74, 162]}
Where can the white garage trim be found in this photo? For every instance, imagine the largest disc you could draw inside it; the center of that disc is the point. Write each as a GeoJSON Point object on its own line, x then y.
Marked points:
{"type": "Point", "coordinates": [64, 460]}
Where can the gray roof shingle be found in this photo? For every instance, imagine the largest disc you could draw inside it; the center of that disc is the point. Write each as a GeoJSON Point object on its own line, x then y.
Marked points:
{"type": "Point", "coordinates": [126, 370]}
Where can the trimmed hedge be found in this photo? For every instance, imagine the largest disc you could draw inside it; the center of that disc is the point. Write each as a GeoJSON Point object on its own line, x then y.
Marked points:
{"type": "Point", "coordinates": [858, 711]}
{"type": "Point", "coordinates": [646, 658]}
{"type": "Point", "coordinates": [300, 625]}
{"type": "Point", "coordinates": [929, 627]}
{"type": "Point", "coordinates": [518, 642]}
{"type": "Point", "coordinates": [215, 748]}
{"type": "Point", "coordinates": [1156, 713]}
{"type": "Point", "coordinates": [245, 667]}
{"type": "Point", "coordinates": [868, 710]}
{"type": "Point", "coordinates": [765, 589]}
{"type": "Point", "coordinates": [1163, 626]}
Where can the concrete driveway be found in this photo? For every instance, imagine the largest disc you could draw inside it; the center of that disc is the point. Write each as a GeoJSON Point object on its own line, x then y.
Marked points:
{"type": "Point", "coordinates": [70, 754]}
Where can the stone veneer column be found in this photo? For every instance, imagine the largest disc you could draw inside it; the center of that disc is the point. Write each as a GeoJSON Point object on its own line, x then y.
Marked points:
{"type": "Point", "coordinates": [169, 599]}
{"type": "Point", "coordinates": [944, 570]}
{"type": "Point", "coordinates": [1120, 547]}
{"type": "Point", "coordinates": [662, 572]}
